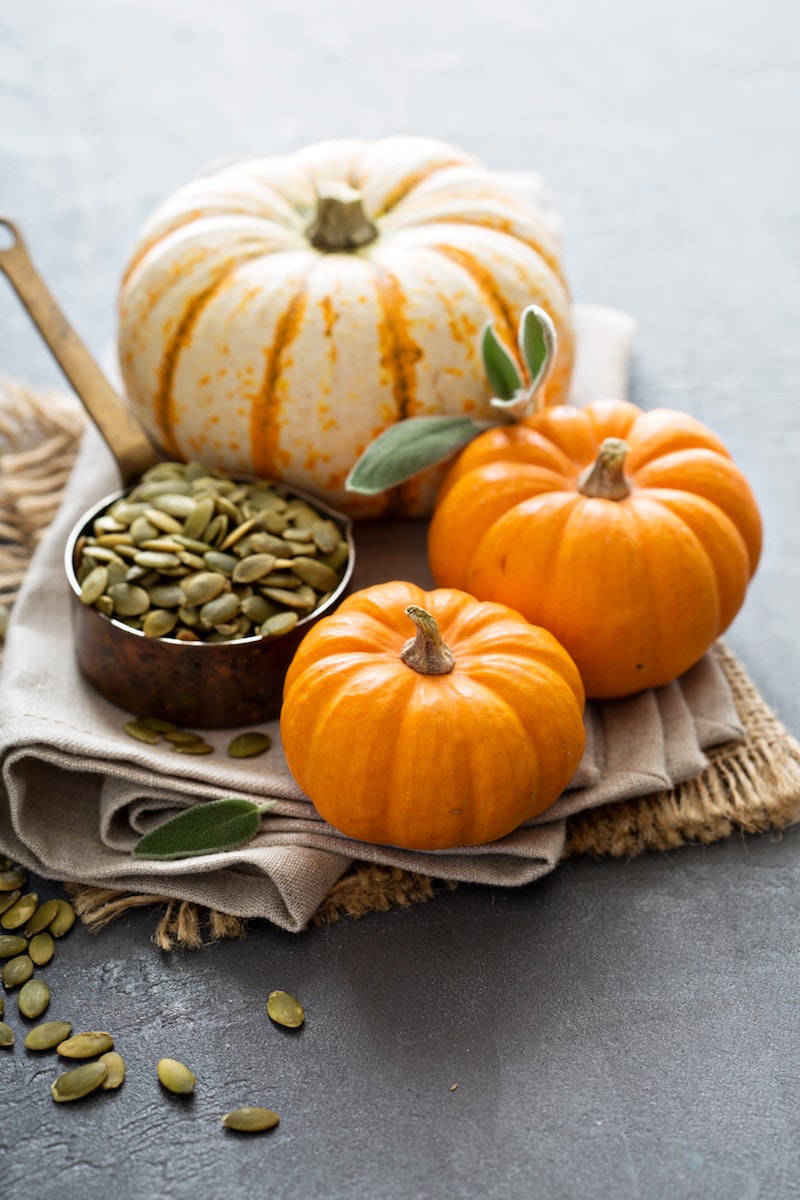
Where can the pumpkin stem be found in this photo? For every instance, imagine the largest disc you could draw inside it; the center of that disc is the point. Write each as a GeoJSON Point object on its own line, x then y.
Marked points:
{"type": "Point", "coordinates": [426, 653]}
{"type": "Point", "coordinates": [606, 479]}
{"type": "Point", "coordinates": [340, 222]}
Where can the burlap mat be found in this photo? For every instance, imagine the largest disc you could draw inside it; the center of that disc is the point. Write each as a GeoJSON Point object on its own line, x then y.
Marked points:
{"type": "Point", "coordinates": [751, 786]}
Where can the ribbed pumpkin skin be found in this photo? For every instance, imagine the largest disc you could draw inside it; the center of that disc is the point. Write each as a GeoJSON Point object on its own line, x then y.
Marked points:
{"type": "Point", "coordinates": [243, 345]}
{"type": "Point", "coordinates": [635, 589]}
{"type": "Point", "coordinates": [428, 762]}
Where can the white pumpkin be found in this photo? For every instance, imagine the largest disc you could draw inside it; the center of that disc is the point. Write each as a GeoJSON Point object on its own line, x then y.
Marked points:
{"type": "Point", "coordinates": [276, 316]}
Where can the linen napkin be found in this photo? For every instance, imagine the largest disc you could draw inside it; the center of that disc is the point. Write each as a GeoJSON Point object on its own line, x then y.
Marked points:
{"type": "Point", "coordinates": [76, 792]}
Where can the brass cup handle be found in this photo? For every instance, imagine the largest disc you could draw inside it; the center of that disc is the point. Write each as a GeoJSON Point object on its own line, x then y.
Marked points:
{"type": "Point", "coordinates": [126, 438]}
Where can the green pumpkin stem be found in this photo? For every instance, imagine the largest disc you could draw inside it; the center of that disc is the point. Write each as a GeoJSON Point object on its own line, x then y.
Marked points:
{"type": "Point", "coordinates": [606, 479]}
{"type": "Point", "coordinates": [340, 222]}
{"type": "Point", "coordinates": [426, 653]}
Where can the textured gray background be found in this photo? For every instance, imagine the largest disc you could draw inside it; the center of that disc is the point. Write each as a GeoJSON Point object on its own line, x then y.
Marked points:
{"type": "Point", "coordinates": [621, 1029]}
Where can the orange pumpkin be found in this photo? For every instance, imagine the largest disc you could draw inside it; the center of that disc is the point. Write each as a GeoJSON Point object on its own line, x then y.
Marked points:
{"type": "Point", "coordinates": [452, 737]}
{"type": "Point", "coordinates": [630, 535]}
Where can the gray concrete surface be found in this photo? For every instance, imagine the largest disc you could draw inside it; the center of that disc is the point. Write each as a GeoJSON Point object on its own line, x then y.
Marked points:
{"type": "Point", "coordinates": [621, 1030]}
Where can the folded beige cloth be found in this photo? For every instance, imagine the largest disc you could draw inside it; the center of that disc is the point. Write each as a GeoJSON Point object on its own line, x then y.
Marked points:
{"type": "Point", "coordinates": [76, 792]}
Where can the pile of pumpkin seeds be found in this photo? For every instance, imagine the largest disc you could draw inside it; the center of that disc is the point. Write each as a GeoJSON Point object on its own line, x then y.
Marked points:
{"type": "Point", "coordinates": [193, 555]}
{"type": "Point", "coordinates": [27, 942]}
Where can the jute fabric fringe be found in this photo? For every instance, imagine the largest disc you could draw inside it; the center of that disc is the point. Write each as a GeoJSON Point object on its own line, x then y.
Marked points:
{"type": "Point", "coordinates": [749, 787]}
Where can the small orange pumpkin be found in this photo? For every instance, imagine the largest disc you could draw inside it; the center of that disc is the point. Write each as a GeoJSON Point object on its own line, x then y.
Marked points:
{"type": "Point", "coordinates": [630, 535]}
{"type": "Point", "coordinates": [452, 737]}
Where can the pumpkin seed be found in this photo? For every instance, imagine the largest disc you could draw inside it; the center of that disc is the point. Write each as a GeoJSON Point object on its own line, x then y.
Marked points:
{"type": "Point", "coordinates": [41, 918]}
{"type": "Point", "coordinates": [175, 504]}
{"type": "Point", "coordinates": [204, 586]}
{"type": "Point", "coordinates": [250, 1119]}
{"type": "Point", "coordinates": [176, 1077]}
{"type": "Point", "coordinates": [166, 595]}
{"type": "Point", "coordinates": [315, 573]}
{"type": "Point", "coordinates": [160, 724]}
{"type": "Point", "coordinates": [215, 560]}
{"type": "Point", "coordinates": [13, 878]}
{"type": "Point", "coordinates": [196, 747]}
{"type": "Point", "coordinates": [33, 998]}
{"type": "Point", "coordinates": [159, 622]}
{"type": "Point", "coordinates": [302, 599]}
{"type": "Point", "coordinates": [6, 1034]}
{"type": "Point", "coordinates": [41, 949]}
{"type": "Point", "coordinates": [11, 945]}
{"type": "Point", "coordinates": [64, 920]}
{"type": "Point", "coordinates": [182, 737]}
{"type": "Point", "coordinates": [86, 1045]}
{"type": "Point", "coordinates": [79, 1082]}
{"type": "Point", "coordinates": [2, 1006]}
{"type": "Point", "coordinates": [285, 1009]}
{"type": "Point", "coordinates": [199, 518]}
{"type": "Point", "coordinates": [279, 624]}
{"type": "Point", "coordinates": [10, 898]}
{"type": "Point", "coordinates": [156, 560]}
{"type": "Point", "coordinates": [115, 1069]}
{"type": "Point", "coordinates": [16, 971]}
{"type": "Point", "coordinates": [47, 1035]}
{"type": "Point", "coordinates": [143, 530]}
{"type": "Point", "coordinates": [248, 745]}
{"type": "Point", "coordinates": [326, 536]}
{"type": "Point", "coordinates": [94, 585]}
{"type": "Point", "coordinates": [142, 732]}
{"type": "Point", "coordinates": [253, 567]}
{"type": "Point", "coordinates": [129, 600]}
{"type": "Point", "coordinates": [20, 912]}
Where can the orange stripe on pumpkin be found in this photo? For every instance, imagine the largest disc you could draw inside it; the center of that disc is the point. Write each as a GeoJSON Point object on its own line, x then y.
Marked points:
{"type": "Point", "coordinates": [164, 401]}
{"type": "Point", "coordinates": [402, 188]}
{"type": "Point", "coordinates": [264, 429]}
{"type": "Point", "coordinates": [399, 352]}
{"type": "Point", "coordinates": [487, 285]}
{"type": "Point", "coordinates": [502, 225]}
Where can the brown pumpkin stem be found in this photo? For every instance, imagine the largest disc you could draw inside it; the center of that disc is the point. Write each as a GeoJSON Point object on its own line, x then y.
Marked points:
{"type": "Point", "coordinates": [340, 222]}
{"type": "Point", "coordinates": [606, 479]}
{"type": "Point", "coordinates": [426, 653]}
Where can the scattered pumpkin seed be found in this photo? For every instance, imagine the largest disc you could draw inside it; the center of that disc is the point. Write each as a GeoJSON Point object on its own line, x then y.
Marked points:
{"type": "Point", "coordinates": [251, 1119]}
{"type": "Point", "coordinates": [181, 737]}
{"type": "Point", "coordinates": [41, 948]}
{"type": "Point", "coordinates": [248, 745]}
{"type": "Point", "coordinates": [8, 899]}
{"type": "Point", "coordinates": [142, 732]}
{"type": "Point", "coordinates": [20, 912]}
{"type": "Point", "coordinates": [47, 1035]}
{"type": "Point", "coordinates": [2, 1006]}
{"type": "Point", "coordinates": [6, 1034]}
{"type": "Point", "coordinates": [176, 1077]}
{"type": "Point", "coordinates": [16, 971]}
{"type": "Point", "coordinates": [159, 724]}
{"type": "Point", "coordinates": [44, 914]}
{"type": "Point", "coordinates": [63, 921]}
{"type": "Point", "coordinates": [12, 944]}
{"type": "Point", "coordinates": [115, 1069]}
{"type": "Point", "coordinates": [196, 747]}
{"type": "Point", "coordinates": [79, 1082]}
{"type": "Point", "coordinates": [13, 878]}
{"type": "Point", "coordinates": [33, 998]}
{"type": "Point", "coordinates": [86, 1045]}
{"type": "Point", "coordinates": [285, 1010]}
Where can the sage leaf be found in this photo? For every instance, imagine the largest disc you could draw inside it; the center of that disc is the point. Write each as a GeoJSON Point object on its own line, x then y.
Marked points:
{"type": "Point", "coordinates": [499, 363]}
{"type": "Point", "coordinates": [405, 449]}
{"type": "Point", "coordinates": [537, 343]}
{"type": "Point", "coordinates": [207, 828]}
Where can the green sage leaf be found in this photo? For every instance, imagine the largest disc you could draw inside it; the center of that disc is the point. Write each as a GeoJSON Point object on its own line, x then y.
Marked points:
{"type": "Point", "coordinates": [537, 343]}
{"type": "Point", "coordinates": [500, 364]}
{"type": "Point", "coordinates": [207, 828]}
{"type": "Point", "coordinates": [405, 449]}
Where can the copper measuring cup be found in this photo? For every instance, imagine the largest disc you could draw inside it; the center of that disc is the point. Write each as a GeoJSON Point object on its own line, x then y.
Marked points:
{"type": "Point", "coordinates": [206, 685]}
